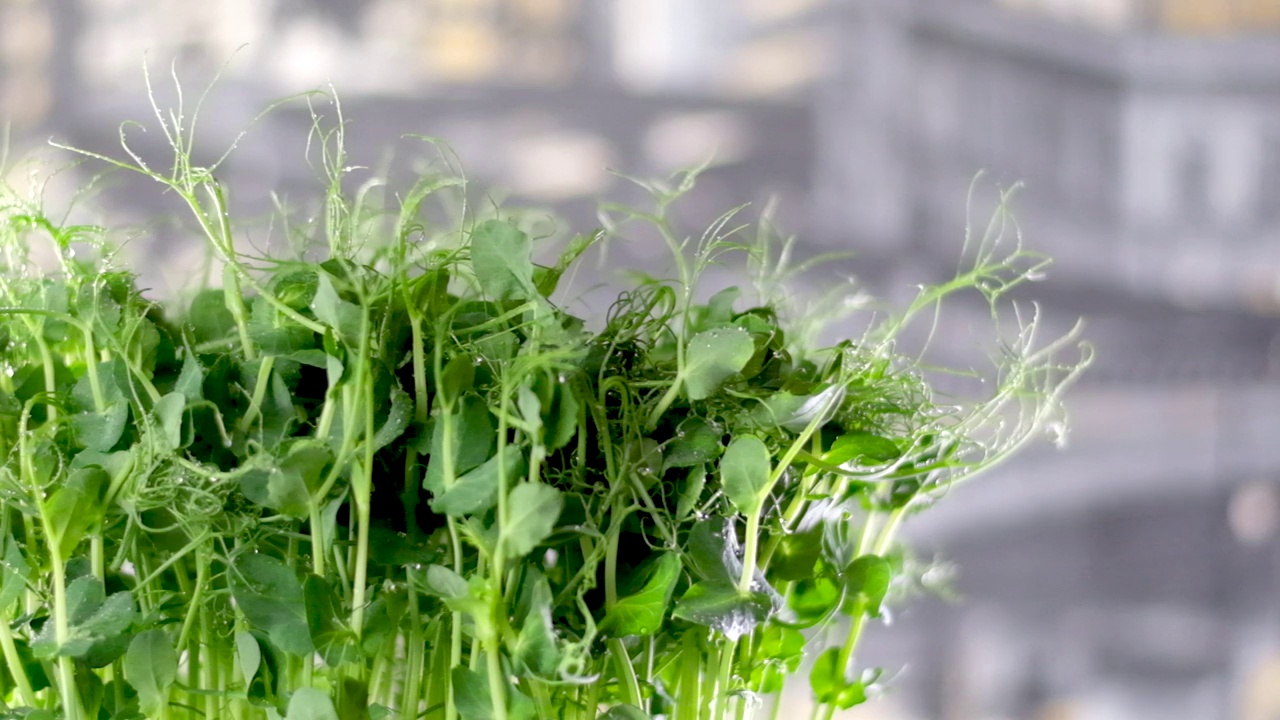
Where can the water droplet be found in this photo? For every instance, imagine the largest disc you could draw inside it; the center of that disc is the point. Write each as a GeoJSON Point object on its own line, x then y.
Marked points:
{"type": "Point", "coordinates": [562, 379]}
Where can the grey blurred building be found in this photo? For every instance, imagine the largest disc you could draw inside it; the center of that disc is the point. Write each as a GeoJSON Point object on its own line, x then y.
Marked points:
{"type": "Point", "coordinates": [1135, 575]}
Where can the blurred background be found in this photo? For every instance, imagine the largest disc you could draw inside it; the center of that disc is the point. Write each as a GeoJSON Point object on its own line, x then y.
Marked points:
{"type": "Point", "coordinates": [1134, 574]}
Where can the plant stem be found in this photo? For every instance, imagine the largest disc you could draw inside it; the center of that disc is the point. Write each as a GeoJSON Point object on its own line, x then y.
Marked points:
{"type": "Point", "coordinates": [750, 545]}
{"type": "Point", "coordinates": [26, 695]}
{"type": "Point", "coordinates": [688, 705]}
{"type": "Point", "coordinates": [61, 633]}
{"type": "Point", "coordinates": [455, 625]}
{"type": "Point", "coordinates": [723, 679]}
{"type": "Point", "coordinates": [627, 680]}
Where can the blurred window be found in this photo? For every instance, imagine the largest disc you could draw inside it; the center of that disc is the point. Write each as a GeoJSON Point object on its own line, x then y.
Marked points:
{"type": "Point", "coordinates": [1261, 692]}
{"type": "Point", "coordinates": [26, 46]}
{"type": "Point", "coordinates": [1200, 17]}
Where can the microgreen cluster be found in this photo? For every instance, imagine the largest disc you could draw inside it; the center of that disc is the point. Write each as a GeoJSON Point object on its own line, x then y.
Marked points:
{"type": "Point", "coordinates": [388, 475]}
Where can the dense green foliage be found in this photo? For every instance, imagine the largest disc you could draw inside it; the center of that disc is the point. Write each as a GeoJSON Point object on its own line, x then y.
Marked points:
{"type": "Point", "coordinates": [387, 476]}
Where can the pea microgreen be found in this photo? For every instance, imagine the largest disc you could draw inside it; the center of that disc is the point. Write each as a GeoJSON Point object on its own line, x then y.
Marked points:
{"type": "Point", "coordinates": [387, 474]}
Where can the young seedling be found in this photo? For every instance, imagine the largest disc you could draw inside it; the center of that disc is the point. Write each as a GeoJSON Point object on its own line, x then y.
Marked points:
{"type": "Point", "coordinates": [389, 475]}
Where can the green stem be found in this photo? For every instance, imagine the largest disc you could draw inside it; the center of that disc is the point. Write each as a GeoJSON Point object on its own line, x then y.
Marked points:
{"type": "Point", "coordinates": [26, 695]}
{"type": "Point", "coordinates": [723, 679]}
{"type": "Point", "coordinates": [61, 633]}
{"type": "Point", "coordinates": [751, 545]}
{"type": "Point", "coordinates": [627, 680]}
{"type": "Point", "coordinates": [415, 651]}
{"type": "Point", "coordinates": [259, 393]}
{"type": "Point", "coordinates": [455, 624]}
{"type": "Point", "coordinates": [318, 546]}
{"type": "Point", "coordinates": [858, 618]}
{"type": "Point", "coordinates": [497, 688]}
{"type": "Point", "coordinates": [234, 301]}
{"type": "Point", "coordinates": [687, 704]}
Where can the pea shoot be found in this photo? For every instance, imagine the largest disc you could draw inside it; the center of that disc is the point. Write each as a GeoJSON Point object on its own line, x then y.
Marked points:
{"type": "Point", "coordinates": [390, 475]}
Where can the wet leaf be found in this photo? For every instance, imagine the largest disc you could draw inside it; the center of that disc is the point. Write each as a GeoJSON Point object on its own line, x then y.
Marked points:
{"type": "Point", "coordinates": [861, 446]}
{"type": "Point", "coordinates": [744, 472]}
{"type": "Point", "coordinates": [724, 609]}
{"type": "Point", "coordinates": [269, 594]}
{"type": "Point", "coordinates": [501, 258]}
{"type": "Point", "coordinates": [311, 704]}
{"type": "Point", "coordinates": [869, 576]}
{"type": "Point", "coordinates": [533, 509]}
{"type": "Point", "coordinates": [643, 612]}
{"type": "Point", "coordinates": [714, 356]}
{"type": "Point", "coordinates": [151, 667]}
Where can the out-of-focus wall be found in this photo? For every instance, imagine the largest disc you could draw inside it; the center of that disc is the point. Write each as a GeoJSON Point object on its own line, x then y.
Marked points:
{"type": "Point", "coordinates": [1132, 575]}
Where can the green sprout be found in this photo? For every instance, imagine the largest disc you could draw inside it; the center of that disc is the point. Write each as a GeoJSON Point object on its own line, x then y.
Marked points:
{"type": "Point", "coordinates": [388, 475]}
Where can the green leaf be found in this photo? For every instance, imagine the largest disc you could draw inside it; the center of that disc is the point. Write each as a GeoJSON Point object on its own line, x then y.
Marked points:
{"type": "Point", "coordinates": [477, 491]}
{"type": "Point", "coordinates": [397, 419]}
{"type": "Point", "coordinates": [744, 472]}
{"type": "Point", "coordinates": [474, 701]}
{"type": "Point", "coordinates": [714, 552]}
{"type": "Point", "coordinates": [457, 377]}
{"type": "Point", "coordinates": [101, 430]}
{"type": "Point", "coordinates": [624, 712]}
{"type": "Point", "coordinates": [14, 572]}
{"type": "Point", "coordinates": [860, 445]}
{"type": "Point", "coordinates": [724, 609]}
{"type": "Point", "coordinates": [311, 704]}
{"type": "Point", "coordinates": [345, 318]}
{"type": "Point", "coordinates": [781, 650]}
{"type": "Point", "coordinates": [295, 289]}
{"type": "Point", "coordinates": [168, 415]}
{"type": "Point", "coordinates": [696, 442]}
{"type": "Point", "coordinates": [445, 583]}
{"type": "Point", "coordinates": [547, 279]}
{"type": "Point", "coordinates": [96, 624]}
{"type": "Point", "coordinates": [712, 357]}
{"type": "Point", "coordinates": [829, 684]}
{"type": "Point", "coordinates": [719, 309]}
{"type": "Point", "coordinates": [76, 507]}
{"type": "Point", "coordinates": [151, 666]}
{"type": "Point", "coordinates": [530, 407]}
{"type": "Point", "coordinates": [269, 594]}
{"type": "Point", "coordinates": [643, 612]}
{"type": "Point", "coordinates": [501, 258]}
{"type": "Point", "coordinates": [532, 511]}
{"type": "Point", "coordinates": [335, 642]}
{"type": "Point", "coordinates": [249, 653]}
{"type": "Point", "coordinates": [191, 380]}
{"type": "Point", "coordinates": [813, 599]}
{"type": "Point", "coordinates": [286, 485]}
{"type": "Point", "coordinates": [471, 694]}
{"type": "Point", "coordinates": [869, 577]}
{"type": "Point", "coordinates": [561, 416]}
{"type": "Point", "coordinates": [796, 412]}
{"type": "Point", "coordinates": [535, 649]}
{"type": "Point", "coordinates": [353, 700]}
{"type": "Point", "coordinates": [209, 318]}
{"type": "Point", "coordinates": [691, 493]}
{"type": "Point", "coordinates": [473, 437]}
{"type": "Point", "coordinates": [797, 555]}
